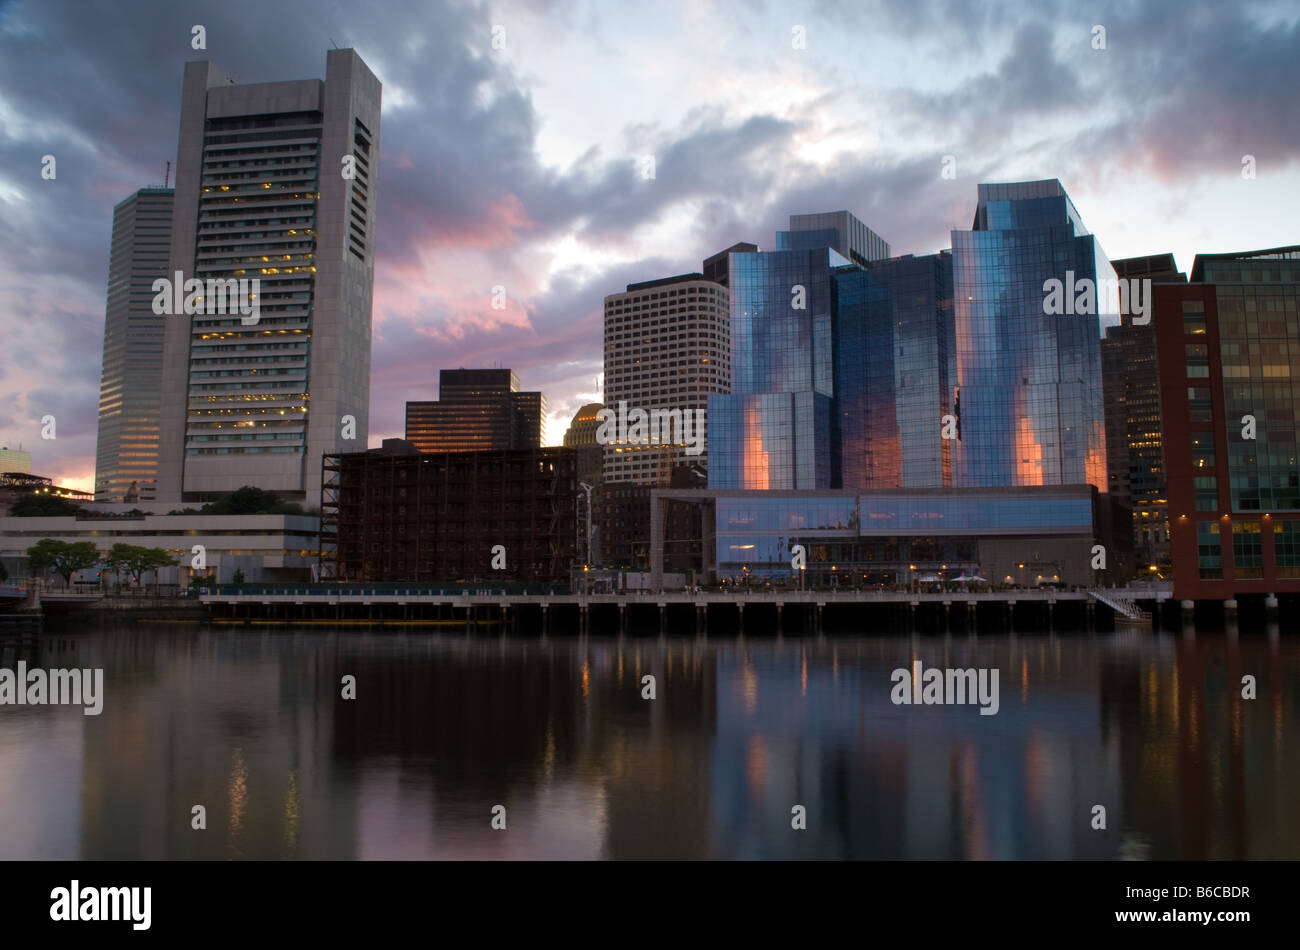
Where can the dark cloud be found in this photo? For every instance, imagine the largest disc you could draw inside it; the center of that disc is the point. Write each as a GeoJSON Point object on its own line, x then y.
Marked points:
{"type": "Point", "coordinates": [1187, 90]}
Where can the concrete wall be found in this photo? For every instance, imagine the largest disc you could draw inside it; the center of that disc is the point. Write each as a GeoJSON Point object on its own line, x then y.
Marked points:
{"type": "Point", "coordinates": [264, 547]}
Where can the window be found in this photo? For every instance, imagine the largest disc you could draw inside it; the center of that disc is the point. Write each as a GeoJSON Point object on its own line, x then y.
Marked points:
{"type": "Point", "coordinates": [1207, 493]}
{"type": "Point", "coordinates": [1199, 403]}
{"type": "Point", "coordinates": [1198, 360]}
{"type": "Point", "coordinates": [1202, 449]}
{"type": "Point", "coordinates": [1286, 548]}
{"type": "Point", "coordinates": [1247, 551]}
{"type": "Point", "coordinates": [1193, 317]}
{"type": "Point", "coordinates": [1209, 554]}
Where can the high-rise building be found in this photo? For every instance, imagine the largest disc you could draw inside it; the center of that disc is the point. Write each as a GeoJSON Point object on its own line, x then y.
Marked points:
{"type": "Point", "coordinates": [895, 373]}
{"type": "Point", "coordinates": [717, 268]}
{"type": "Point", "coordinates": [777, 427]}
{"type": "Point", "coordinates": [15, 460]}
{"type": "Point", "coordinates": [848, 236]}
{"type": "Point", "coordinates": [667, 348]}
{"type": "Point", "coordinates": [130, 389]}
{"type": "Point", "coordinates": [477, 409]}
{"type": "Point", "coordinates": [1134, 433]}
{"type": "Point", "coordinates": [1029, 381]}
{"type": "Point", "coordinates": [581, 435]}
{"type": "Point", "coordinates": [1228, 350]}
{"type": "Point", "coordinates": [529, 410]}
{"type": "Point", "coordinates": [275, 182]}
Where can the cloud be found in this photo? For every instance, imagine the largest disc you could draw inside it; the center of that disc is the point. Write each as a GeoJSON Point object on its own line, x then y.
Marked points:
{"type": "Point", "coordinates": [743, 132]}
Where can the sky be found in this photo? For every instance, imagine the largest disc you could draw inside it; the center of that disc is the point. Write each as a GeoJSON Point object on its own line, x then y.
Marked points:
{"type": "Point", "coordinates": [523, 163]}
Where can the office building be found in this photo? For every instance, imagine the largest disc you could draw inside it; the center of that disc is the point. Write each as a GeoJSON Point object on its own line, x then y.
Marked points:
{"type": "Point", "coordinates": [274, 182]}
{"type": "Point", "coordinates": [1018, 536]}
{"type": "Point", "coordinates": [398, 514]}
{"type": "Point", "coordinates": [843, 232]}
{"type": "Point", "coordinates": [1029, 381]}
{"type": "Point", "coordinates": [1134, 431]}
{"type": "Point", "coordinates": [667, 348]}
{"type": "Point", "coordinates": [477, 409]}
{"type": "Point", "coordinates": [778, 428]}
{"type": "Point", "coordinates": [895, 373]}
{"type": "Point", "coordinates": [15, 460]}
{"type": "Point", "coordinates": [581, 435]}
{"type": "Point", "coordinates": [130, 389]}
{"type": "Point", "coordinates": [717, 268]}
{"type": "Point", "coordinates": [263, 548]}
{"type": "Point", "coordinates": [1228, 350]}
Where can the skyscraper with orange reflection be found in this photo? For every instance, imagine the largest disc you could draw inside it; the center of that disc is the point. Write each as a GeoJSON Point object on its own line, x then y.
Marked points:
{"type": "Point", "coordinates": [1029, 382]}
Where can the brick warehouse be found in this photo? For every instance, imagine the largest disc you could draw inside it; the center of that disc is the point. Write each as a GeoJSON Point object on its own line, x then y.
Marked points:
{"type": "Point", "coordinates": [396, 514]}
{"type": "Point", "coordinates": [1228, 347]}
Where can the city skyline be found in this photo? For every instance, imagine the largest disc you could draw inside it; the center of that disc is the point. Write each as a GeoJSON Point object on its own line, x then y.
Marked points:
{"type": "Point", "coordinates": [490, 177]}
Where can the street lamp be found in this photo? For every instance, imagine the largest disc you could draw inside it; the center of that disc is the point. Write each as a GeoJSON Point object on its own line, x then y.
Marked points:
{"type": "Point", "coordinates": [587, 488]}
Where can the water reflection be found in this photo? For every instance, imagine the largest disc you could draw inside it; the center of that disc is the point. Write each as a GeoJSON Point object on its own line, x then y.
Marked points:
{"type": "Point", "coordinates": [251, 725]}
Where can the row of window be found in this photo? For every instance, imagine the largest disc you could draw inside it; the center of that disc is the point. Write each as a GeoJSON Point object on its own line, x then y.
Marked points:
{"type": "Point", "coordinates": [1248, 549]}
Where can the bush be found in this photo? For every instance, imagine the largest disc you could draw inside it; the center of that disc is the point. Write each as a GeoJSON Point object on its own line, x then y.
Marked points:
{"type": "Point", "coordinates": [251, 501]}
{"type": "Point", "coordinates": [43, 506]}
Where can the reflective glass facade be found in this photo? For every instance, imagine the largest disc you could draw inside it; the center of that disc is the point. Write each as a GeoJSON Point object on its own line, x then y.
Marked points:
{"type": "Point", "coordinates": [911, 369]}
{"type": "Point", "coordinates": [892, 533]}
{"type": "Point", "coordinates": [1029, 384]}
{"type": "Point", "coordinates": [770, 441]}
{"type": "Point", "coordinates": [774, 430]}
{"type": "Point", "coordinates": [866, 431]}
{"type": "Point", "coordinates": [852, 239]}
{"type": "Point", "coordinates": [1259, 343]}
{"type": "Point", "coordinates": [849, 391]}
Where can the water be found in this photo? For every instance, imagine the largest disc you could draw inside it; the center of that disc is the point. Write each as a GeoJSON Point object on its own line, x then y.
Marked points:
{"type": "Point", "coordinates": [250, 724]}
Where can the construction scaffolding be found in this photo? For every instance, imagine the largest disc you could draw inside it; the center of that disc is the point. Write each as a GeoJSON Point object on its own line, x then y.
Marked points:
{"type": "Point", "coordinates": [395, 514]}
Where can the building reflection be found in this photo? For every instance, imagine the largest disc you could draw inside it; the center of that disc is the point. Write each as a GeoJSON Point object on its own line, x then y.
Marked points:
{"type": "Point", "coordinates": [740, 731]}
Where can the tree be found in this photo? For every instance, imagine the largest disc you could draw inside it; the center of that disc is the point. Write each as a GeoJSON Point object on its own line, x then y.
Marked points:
{"type": "Point", "coordinates": [62, 557]}
{"type": "Point", "coordinates": [155, 558]}
{"type": "Point", "coordinates": [43, 506]}
{"type": "Point", "coordinates": [238, 577]}
{"type": "Point", "coordinates": [251, 501]}
{"type": "Point", "coordinates": [136, 561]}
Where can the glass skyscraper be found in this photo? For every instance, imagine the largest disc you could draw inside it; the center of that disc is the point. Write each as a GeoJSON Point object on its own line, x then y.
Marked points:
{"type": "Point", "coordinates": [777, 429]}
{"type": "Point", "coordinates": [894, 373]}
{"type": "Point", "coordinates": [1029, 393]}
{"type": "Point", "coordinates": [774, 430]}
{"type": "Point", "coordinates": [848, 392]}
